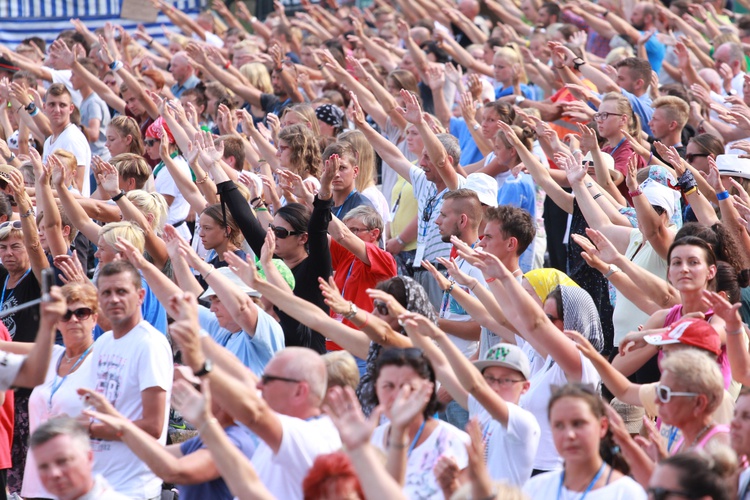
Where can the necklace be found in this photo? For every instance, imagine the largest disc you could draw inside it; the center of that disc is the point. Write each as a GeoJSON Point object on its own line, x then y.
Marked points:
{"type": "Point", "coordinates": [65, 355]}
{"type": "Point", "coordinates": [700, 434]}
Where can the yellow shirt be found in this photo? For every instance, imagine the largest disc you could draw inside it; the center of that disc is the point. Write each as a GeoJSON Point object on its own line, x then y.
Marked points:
{"type": "Point", "coordinates": [403, 209]}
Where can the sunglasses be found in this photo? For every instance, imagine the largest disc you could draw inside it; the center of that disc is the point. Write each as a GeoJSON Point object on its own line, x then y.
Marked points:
{"type": "Point", "coordinates": [283, 233]}
{"type": "Point", "coordinates": [150, 142]}
{"type": "Point", "coordinates": [270, 378]}
{"type": "Point", "coordinates": [428, 209]}
{"type": "Point", "coordinates": [692, 156]}
{"type": "Point", "coordinates": [82, 313]}
{"type": "Point", "coordinates": [664, 493]}
{"type": "Point", "coordinates": [552, 318]}
{"type": "Point", "coordinates": [15, 224]}
{"type": "Point", "coordinates": [665, 394]}
{"type": "Point", "coordinates": [381, 307]}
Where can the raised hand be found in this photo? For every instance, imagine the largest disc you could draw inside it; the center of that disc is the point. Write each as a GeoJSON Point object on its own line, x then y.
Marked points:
{"type": "Point", "coordinates": [395, 309]}
{"type": "Point", "coordinates": [332, 296]}
{"type": "Point", "coordinates": [630, 179]}
{"type": "Point", "coordinates": [724, 309]}
{"type": "Point", "coordinates": [344, 410]}
{"type": "Point", "coordinates": [442, 281]}
{"type": "Point", "coordinates": [410, 403]}
{"type": "Point", "coordinates": [590, 253]}
{"type": "Point", "coordinates": [193, 405]}
{"type": "Point", "coordinates": [436, 77]}
{"type": "Point", "coordinates": [128, 250]}
{"type": "Point", "coordinates": [185, 329]}
{"type": "Point", "coordinates": [416, 324]}
{"type": "Point", "coordinates": [713, 177]}
{"type": "Point", "coordinates": [357, 115]}
{"type": "Point", "coordinates": [583, 344]}
{"type": "Point", "coordinates": [71, 269]}
{"type": "Point", "coordinates": [98, 402]}
{"type": "Point", "coordinates": [107, 176]}
{"type": "Point", "coordinates": [412, 111]}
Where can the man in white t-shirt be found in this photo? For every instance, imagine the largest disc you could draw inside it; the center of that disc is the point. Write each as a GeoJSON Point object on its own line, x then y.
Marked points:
{"type": "Point", "coordinates": [132, 367]}
{"type": "Point", "coordinates": [58, 106]}
{"type": "Point", "coordinates": [287, 418]}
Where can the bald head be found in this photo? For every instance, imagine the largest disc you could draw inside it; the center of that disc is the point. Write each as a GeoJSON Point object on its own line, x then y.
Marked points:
{"type": "Point", "coordinates": [180, 67]}
{"type": "Point", "coordinates": [301, 363]}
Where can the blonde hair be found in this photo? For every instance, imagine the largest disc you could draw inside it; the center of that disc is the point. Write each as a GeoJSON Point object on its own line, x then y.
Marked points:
{"type": "Point", "coordinates": [10, 232]}
{"type": "Point", "coordinates": [365, 158]}
{"type": "Point", "coordinates": [676, 109]}
{"type": "Point", "coordinates": [112, 231]}
{"type": "Point", "coordinates": [342, 369]}
{"type": "Point", "coordinates": [697, 372]}
{"type": "Point", "coordinates": [150, 203]}
{"type": "Point", "coordinates": [307, 113]}
{"type": "Point", "coordinates": [618, 54]}
{"type": "Point", "coordinates": [69, 162]}
{"type": "Point", "coordinates": [257, 74]}
{"type": "Point", "coordinates": [513, 56]}
{"type": "Point", "coordinates": [624, 107]}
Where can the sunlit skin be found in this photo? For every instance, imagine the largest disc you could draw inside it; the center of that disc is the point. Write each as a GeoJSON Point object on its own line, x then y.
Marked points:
{"type": "Point", "coordinates": [449, 220]}
{"type": "Point", "coordinates": [740, 426]}
{"type": "Point", "coordinates": [550, 309]}
{"type": "Point", "coordinates": [689, 270]}
{"type": "Point", "coordinates": [116, 143]}
{"type": "Point", "coordinates": [489, 123]}
{"type": "Point", "coordinates": [14, 256]}
{"type": "Point", "coordinates": [120, 301]}
{"type": "Point", "coordinates": [576, 431]}
{"type": "Point", "coordinates": [700, 163]}
{"type": "Point", "coordinates": [495, 242]}
{"type": "Point", "coordinates": [509, 392]}
{"type": "Point", "coordinates": [133, 103]}
{"type": "Point", "coordinates": [58, 109]}
{"type": "Point", "coordinates": [679, 410]}
{"type": "Point", "coordinates": [65, 469]}
{"type": "Point", "coordinates": [667, 477]}
{"type": "Point", "coordinates": [390, 380]}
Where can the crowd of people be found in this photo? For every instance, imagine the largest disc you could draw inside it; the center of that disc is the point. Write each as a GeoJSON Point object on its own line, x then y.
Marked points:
{"type": "Point", "coordinates": [420, 250]}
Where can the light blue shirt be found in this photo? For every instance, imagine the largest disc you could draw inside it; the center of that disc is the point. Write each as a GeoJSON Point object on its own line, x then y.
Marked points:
{"type": "Point", "coordinates": [520, 192]}
{"type": "Point", "coordinates": [190, 83]}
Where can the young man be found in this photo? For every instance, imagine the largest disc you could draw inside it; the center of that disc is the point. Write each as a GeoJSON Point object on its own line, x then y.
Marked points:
{"type": "Point", "coordinates": [132, 368]}
{"type": "Point", "coordinates": [94, 112]}
{"type": "Point", "coordinates": [670, 116]}
{"type": "Point", "coordinates": [65, 462]}
{"type": "Point", "coordinates": [342, 187]}
{"type": "Point", "coordinates": [58, 107]}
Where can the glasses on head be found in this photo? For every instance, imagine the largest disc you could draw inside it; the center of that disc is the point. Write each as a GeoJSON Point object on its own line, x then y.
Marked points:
{"type": "Point", "coordinates": [689, 157]}
{"type": "Point", "coordinates": [150, 142]}
{"type": "Point", "coordinates": [664, 493]}
{"type": "Point", "coordinates": [665, 394]}
{"type": "Point", "coordinates": [502, 382]}
{"type": "Point", "coordinates": [82, 313]}
{"type": "Point", "coordinates": [282, 232]}
{"type": "Point", "coordinates": [15, 224]}
{"type": "Point", "coordinates": [271, 378]}
{"type": "Point", "coordinates": [380, 306]}
{"type": "Point", "coordinates": [603, 115]}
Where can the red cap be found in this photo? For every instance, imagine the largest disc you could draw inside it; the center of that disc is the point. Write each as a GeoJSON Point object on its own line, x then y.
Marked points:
{"type": "Point", "coordinates": [689, 331]}
{"type": "Point", "coordinates": [154, 130]}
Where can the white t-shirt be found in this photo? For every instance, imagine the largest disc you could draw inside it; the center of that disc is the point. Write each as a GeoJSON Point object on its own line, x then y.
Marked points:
{"type": "Point", "coordinates": [537, 399]}
{"type": "Point", "coordinates": [44, 405]}
{"type": "Point", "coordinates": [72, 140]}
{"type": "Point", "coordinates": [451, 310]}
{"type": "Point", "coordinates": [420, 482]}
{"type": "Point", "coordinates": [63, 76]}
{"type": "Point", "coordinates": [546, 486]}
{"type": "Point", "coordinates": [302, 441]}
{"type": "Point", "coordinates": [121, 369]}
{"type": "Point", "coordinates": [10, 364]}
{"type": "Point", "coordinates": [511, 451]}
{"type": "Point", "coordinates": [165, 185]}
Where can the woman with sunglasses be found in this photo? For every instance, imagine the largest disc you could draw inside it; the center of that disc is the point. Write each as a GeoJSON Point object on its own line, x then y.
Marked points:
{"type": "Point", "coordinates": [692, 475]}
{"type": "Point", "coordinates": [67, 371]}
{"type": "Point", "coordinates": [580, 429]}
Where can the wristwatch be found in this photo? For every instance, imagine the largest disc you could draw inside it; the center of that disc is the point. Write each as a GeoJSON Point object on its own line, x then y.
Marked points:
{"type": "Point", "coordinates": [519, 99]}
{"type": "Point", "coordinates": [208, 365]}
{"type": "Point", "coordinates": [476, 126]}
{"type": "Point", "coordinates": [577, 63]}
{"type": "Point", "coordinates": [353, 310]}
{"type": "Point", "coordinates": [30, 107]}
{"type": "Point", "coordinates": [118, 195]}
{"type": "Point", "coordinates": [612, 270]}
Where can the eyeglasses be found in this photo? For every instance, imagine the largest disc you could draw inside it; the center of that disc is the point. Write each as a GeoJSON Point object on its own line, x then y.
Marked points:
{"type": "Point", "coordinates": [502, 382]}
{"type": "Point", "coordinates": [603, 115]}
{"type": "Point", "coordinates": [283, 233]}
{"type": "Point", "coordinates": [150, 142]}
{"type": "Point", "coordinates": [270, 378]}
{"type": "Point", "coordinates": [381, 307]}
{"type": "Point", "coordinates": [689, 157]}
{"type": "Point", "coordinates": [15, 224]}
{"type": "Point", "coordinates": [357, 230]}
{"type": "Point", "coordinates": [82, 313]}
{"type": "Point", "coordinates": [665, 394]}
{"type": "Point", "coordinates": [663, 493]}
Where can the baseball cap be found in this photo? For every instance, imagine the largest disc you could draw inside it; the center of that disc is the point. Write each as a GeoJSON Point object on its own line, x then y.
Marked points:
{"type": "Point", "coordinates": [237, 283]}
{"type": "Point", "coordinates": [485, 187]}
{"type": "Point", "coordinates": [507, 355]}
{"type": "Point", "coordinates": [733, 165]}
{"type": "Point", "coordinates": [695, 332]}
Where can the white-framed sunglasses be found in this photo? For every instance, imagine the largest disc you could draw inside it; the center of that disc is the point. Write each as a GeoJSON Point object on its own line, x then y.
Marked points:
{"type": "Point", "coordinates": [665, 394]}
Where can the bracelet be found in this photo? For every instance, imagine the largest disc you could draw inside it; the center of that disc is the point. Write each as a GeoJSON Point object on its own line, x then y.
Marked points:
{"type": "Point", "coordinates": [261, 204]}
{"type": "Point", "coordinates": [367, 320]}
{"type": "Point", "coordinates": [739, 331]}
{"type": "Point", "coordinates": [202, 181]}
{"type": "Point", "coordinates": [691, 191]}
{"type": "Point", "coordinates": [723, 195]}
{"type": "Point", "coordinates": [450, 288]}
{"type": "Point", "coordinates": [149, 43]}
{"type": "Point", "coordinates": [205, 276]}
{"type": "Point", "coordinates": [119, 195]}
{"type": "Point", "coordinates": [27, 213]}
{"type": "Point", "coordinates": [597, 195]}
{"type": "Point", "coordinates": [633, 194]}
{"type": "Point", "coordinates": [119, 434]}
{"type": "Point", "coordinates": [400, 241]}
{"type": "Point", "coordinates": [205, 424]}
{"type": "Point", "coordinates": [261, 209]}
{"type": "Point", "coordinates": [255, 200]}
{"type": "Point", "coordinates": [91, 422]}
{"type": "Point", "coordinates": [612, 270]}
{"type": "Point", "coordinates": [116, 66]}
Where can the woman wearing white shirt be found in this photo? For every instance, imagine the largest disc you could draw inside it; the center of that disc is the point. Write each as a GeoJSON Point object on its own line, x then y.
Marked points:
{"type": "Point", "coordinates": [579, 425]}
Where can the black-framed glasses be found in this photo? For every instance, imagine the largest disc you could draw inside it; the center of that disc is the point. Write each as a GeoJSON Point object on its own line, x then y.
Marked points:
{"type": "Point", "coordinates": [15, 224]}
{"type": "Point", "coordinates": [665, 394]}
{"type": "Point", "coordinates": [381, 307]}
{"type": "Point", "coordinates": [266, 379]}
{"type": "Point", "coordinates": [664, 493]}
{"type": "Point", "coordinates": [603, 115]}
{"type": "Point", "coordinates": [82, 314]}
{"type": "Point", "coordinates": [282, 232]}
{"type": "Point", "coordinates": [689, 157]}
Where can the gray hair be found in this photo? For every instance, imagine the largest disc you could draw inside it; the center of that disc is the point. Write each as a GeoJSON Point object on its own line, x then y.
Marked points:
{"type": "Point", "coordinates": [61, 426]}
{"type": "Point", "coordinates": [369, 216]}
{"type": "Point", "coordinates": [450, 143]}
{"type": "Point", "coordinates": [696, 371]}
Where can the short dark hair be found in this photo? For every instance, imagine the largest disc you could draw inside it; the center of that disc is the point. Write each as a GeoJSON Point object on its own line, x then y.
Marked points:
{"type": "Point", "coordinates": [413, 358]}
{"type": "Point", "coordinates": [60, 426]}
{"type": "Point", "coordinates": [552, 9]}
{"type": "Point", "coordinates": [118, 267]}
{"type": "Point", "coordinates": [641, 67]}
{"type": "Point", "coordinates": [514, 222]}
{"type": "Point", "coordinates": [233, 148]}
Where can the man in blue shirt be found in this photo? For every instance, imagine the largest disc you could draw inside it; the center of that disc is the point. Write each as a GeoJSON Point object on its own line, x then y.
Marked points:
{"type": "Point", "coordinates": [183, 73]}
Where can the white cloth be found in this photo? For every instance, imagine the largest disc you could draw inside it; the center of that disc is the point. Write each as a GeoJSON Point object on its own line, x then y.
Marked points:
{"type": "Point", "coordinates": [43, 405]}
{"type": "Point", "coordinates": [165, 185]}
{"type": "Point", "coordinates": [510, 452]}
{"type": "Point", "coordinates": [445, 439]}
{"type": "Point", "coordinates": [379, 202]}
{"type": "Point", "coordinates": [537, 399]}
{"type": "Point", "coordinates": [302, 441]}
{"type": "Point", "coordinates": [660, 195]}
{"type": "Point", "coordinates": [72, 140]}
{"type": "Point", "coordinates": [63, 76]}
{"type": "Point", "coordinates": [546, 486]}
{"type": "Point", "coordinates": [121, 369]}
{"type": "Point", "coordinates": [10, 364]}
{"type": "Point", "coordinates": [101, 490]}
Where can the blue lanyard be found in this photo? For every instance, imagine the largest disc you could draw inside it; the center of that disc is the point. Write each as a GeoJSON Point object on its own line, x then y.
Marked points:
{"type": "Point", "coordinates": [347, 276]}
{"type": "Point", "coordinates": [342, 205]}
{"type": "Point", "coordinates": [617, 147]}
{"type": "Point", "coordinates": [588, 488]}
{"type": "Point", "coordinates": [55, 384]}
{"type": "Point", "coordinates": [5, 286]}
{"type": "Point", "coordinates": [416, 438]}
{"type": "Point", "coordinates": [672, 436]}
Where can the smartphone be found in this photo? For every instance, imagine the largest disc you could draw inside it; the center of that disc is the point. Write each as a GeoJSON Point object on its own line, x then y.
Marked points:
{"type": "Point", "coordinates": [48, 281]}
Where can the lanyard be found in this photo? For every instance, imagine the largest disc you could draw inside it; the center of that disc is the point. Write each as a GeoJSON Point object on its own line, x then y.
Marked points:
{"type": "Point", "coordinates": [342, 205]}
{"type": "Point", "coordinates": [55, 384]}
{"type": "Point", "coordinates": [5, 286]}
{"type": "Point", "coordinates": [617, 147]}
{"type": "Point", "coordinates": [672, 436]}
{"type": "Point", "coordinates": [588, 488]}
{"type": "Point", "coordinates": [347, 276]}
{"type": "Point", "coordinates": [416, 438]}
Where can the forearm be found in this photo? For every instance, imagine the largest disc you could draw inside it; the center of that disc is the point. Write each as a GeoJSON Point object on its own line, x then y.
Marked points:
{"type": "Point", "coordinates": [438, 156]}
{"type": "Point", "coordinates": [442, 111]}
{"type": "Point", "coordinates": [602, 81]}
{"type": "Point", "coordinates": [375, 480]}
{"type": "Point", "coordinates": [467, 330]}
{"type": "Point", "coordinates": [396, 457]}
{"type": "Point", "coordinates": [34, 367]}
{"type": "Point", "coordinates": [485, 310]}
